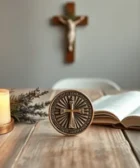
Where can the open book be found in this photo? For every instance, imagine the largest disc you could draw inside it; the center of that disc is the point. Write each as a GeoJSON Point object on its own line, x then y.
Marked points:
{"type": "Point", "coordinates": [123, 108]}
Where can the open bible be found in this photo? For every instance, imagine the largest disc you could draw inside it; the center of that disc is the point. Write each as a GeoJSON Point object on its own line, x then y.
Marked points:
{"type": "Point", "coordinates": [120, 109]}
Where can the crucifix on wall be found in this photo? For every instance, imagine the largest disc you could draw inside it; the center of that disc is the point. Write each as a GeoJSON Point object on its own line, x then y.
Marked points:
{"type": "Point", "coordinates": [70, 21]}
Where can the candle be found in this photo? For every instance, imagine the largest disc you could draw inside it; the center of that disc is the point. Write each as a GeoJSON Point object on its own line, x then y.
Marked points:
{"type": "Point", "coordinates": [5, 116]}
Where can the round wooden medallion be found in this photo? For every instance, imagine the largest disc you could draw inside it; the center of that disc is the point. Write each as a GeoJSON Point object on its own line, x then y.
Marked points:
{"type": "Point", "coordinates": [71, 112]}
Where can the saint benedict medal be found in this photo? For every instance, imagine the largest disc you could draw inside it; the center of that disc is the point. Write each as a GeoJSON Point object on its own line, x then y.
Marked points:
{"type": "Point", "coordinates": [71, 112]}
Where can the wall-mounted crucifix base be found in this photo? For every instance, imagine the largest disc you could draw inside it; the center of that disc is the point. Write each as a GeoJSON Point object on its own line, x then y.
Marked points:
{"type": "Point", "coordinates": [70, 55]}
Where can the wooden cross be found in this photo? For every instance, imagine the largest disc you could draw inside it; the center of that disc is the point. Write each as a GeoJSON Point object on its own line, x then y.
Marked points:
{"type": "Point", "coordinates": [72, 111]}
{"type": "Point", "coordinates": [63, 20]}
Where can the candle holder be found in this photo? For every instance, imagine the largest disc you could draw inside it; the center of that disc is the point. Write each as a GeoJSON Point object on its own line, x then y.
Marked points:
{"type": "Point", "coordinates": [5, 128]}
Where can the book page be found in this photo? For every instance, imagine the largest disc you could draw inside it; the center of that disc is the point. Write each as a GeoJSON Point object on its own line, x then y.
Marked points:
{"type": "Point", "coordinates": [136, 112]}
{"type": "Point", "coordinates": [121, 105]}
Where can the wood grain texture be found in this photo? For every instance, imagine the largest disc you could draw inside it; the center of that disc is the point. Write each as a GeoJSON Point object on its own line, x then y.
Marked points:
{"type": "Point", "coordinates": [41, 146]}
{"type": "Point", "coordinates": [13, 144]}
{"type": "Point", "coordinates": [132, 136]}
{"type": "Point", "coordinates": [134, 139]}
{"type": "Point", "coordinates": [3, 138]}
{"type": "Point", "coordinates": [96, 147]}
{"type": "Point", "coordinates": [70, 8]}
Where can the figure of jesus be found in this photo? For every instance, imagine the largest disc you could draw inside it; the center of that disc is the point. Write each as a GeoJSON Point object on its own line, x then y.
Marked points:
{"type": "Point", "coordinates": [71, 30]}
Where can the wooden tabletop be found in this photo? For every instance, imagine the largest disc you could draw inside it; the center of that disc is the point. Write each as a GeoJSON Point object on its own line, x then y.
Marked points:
{"type": "Point", "coordinates": [40, 146]}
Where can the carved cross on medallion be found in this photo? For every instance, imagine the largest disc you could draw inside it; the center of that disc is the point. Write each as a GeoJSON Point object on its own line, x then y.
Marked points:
{"type": "Point", "coordinates": [72, 111]}
{"type": "Point", "coordinates": [70, 21]}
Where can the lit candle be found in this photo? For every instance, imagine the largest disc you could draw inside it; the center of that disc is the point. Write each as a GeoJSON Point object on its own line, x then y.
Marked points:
{"type": "Point", "coordinates": [5, 116]}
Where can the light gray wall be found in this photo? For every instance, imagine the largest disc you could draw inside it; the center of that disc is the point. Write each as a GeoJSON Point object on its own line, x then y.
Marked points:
{"type": "Point", "coordinates": [31, 50]}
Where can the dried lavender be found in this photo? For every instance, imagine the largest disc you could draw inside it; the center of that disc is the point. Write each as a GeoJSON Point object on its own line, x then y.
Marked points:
{"type": "Point", "coordinates": [22, 108]}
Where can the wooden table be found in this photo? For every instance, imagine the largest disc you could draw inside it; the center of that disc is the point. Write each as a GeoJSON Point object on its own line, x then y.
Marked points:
{"type": "Point", "coordinates": [40, 146]}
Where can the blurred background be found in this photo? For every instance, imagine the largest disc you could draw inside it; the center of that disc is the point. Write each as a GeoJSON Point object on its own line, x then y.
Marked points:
{"type": "Point", "coordinates": [32, 50]}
